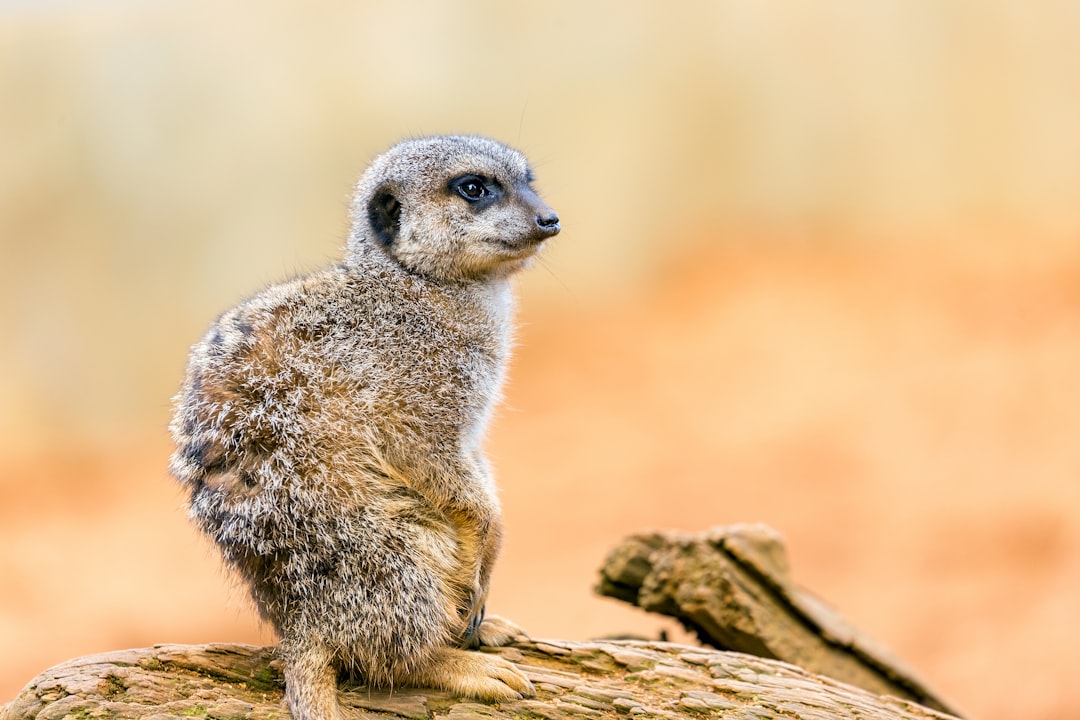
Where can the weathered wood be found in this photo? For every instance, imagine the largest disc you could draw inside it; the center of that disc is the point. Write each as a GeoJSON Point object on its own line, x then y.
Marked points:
{"type": "Point", "coordinates": [594, 679]}
{"type": "Point", "coordinates": [733, 588]}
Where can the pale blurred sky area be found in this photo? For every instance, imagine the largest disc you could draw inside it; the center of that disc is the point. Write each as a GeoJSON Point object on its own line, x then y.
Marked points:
{"type": "Point", "coordinates": [161, 159]}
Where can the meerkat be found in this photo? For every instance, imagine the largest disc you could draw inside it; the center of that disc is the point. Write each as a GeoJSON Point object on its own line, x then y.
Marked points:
{"type": "Point", "coordinates": [329, 430]}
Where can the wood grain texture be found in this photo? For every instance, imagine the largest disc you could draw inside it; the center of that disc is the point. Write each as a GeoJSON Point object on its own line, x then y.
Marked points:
{"type": "Point", "coordinates": [573, 679]}
{"type": "Point", "coordinates": [732, 586]}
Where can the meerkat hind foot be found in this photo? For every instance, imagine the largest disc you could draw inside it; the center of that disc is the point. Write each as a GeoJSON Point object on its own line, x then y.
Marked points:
{"type": "Point", "coordinates": [477, 675]}
{"type": "Point", "coordinates": [495, 631]}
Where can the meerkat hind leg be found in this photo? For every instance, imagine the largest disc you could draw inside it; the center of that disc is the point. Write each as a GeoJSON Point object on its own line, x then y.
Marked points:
{"type": "Point", "coordinates": [311, 685]}
{"type": "Point", "coordinates": [478, 675]}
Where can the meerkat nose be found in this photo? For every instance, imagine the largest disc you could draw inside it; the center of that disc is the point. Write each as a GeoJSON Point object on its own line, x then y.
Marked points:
{"type": "Point", "coordinates": [548, 221]}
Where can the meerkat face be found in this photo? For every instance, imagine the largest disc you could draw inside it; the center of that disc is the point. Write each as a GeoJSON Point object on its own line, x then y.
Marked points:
{"type": "Point", "coordinates": [453, 208]}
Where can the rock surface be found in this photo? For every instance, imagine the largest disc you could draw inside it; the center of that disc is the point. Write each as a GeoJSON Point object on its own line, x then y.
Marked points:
{"type": "Point", "coordinates": [590, 680]}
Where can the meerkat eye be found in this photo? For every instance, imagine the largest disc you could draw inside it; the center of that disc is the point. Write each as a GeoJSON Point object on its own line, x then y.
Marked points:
{"type": "Point", "coordinates": [472, 188]}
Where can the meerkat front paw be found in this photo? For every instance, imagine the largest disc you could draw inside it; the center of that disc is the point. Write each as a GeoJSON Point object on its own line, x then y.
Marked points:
{"type": "Point", "coordinates": [478, 675]}
{"type": "Point", "coordinates": [470, 638]}
{"type": "Point", "coordinates": [495, 631]}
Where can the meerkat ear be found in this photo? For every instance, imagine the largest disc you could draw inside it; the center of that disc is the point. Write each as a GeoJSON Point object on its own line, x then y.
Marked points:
{"type": "Point", "coordinates": [384, 215]}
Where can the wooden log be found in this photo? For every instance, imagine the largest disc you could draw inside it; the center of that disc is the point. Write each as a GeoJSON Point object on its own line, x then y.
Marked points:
{"type": "Point", "coordinates": [572, 679]}
{"type": "Point", "coordinates": [732, 587]}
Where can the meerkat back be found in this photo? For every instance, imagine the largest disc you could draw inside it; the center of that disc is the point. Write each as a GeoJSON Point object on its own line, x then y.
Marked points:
{"type": "Point", "coordinates": [329, 430]}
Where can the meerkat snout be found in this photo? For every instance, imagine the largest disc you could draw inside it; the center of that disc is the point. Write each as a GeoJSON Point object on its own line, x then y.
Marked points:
{"type": "Point", "coordinates": [547, 220]}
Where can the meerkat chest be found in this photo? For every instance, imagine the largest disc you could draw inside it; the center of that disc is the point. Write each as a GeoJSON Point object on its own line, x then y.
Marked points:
{"type": "Point", "coordinates": [431, 362]}
{"type": "Point", "coordinates": [457, 353]}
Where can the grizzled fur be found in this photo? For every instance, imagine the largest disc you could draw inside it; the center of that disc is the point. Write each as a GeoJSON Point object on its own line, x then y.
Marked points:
{"type": "Point", "coordinates": [329, 430]}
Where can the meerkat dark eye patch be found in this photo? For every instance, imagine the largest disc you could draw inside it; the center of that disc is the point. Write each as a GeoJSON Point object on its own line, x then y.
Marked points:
{"type": "Point", "coordinates": [384, 215]}
{"type": "Point", "coordinates": [475, 189]}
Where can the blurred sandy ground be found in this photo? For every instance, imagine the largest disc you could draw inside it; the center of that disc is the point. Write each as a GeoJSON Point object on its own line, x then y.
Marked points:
{"type": "Point", "coordinates": [820, 268]}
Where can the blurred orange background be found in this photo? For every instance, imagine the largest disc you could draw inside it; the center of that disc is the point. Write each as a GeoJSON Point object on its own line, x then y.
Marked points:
{"type": "Point", "coordinates": [820, 268]}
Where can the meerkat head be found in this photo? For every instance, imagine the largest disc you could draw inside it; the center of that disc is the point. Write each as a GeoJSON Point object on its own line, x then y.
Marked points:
{"type": "Point", "coordinates": [452, 208]}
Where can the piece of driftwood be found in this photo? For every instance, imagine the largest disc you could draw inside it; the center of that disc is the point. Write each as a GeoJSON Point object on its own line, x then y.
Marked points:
{"type": "Point", "coordinates": [591, 680]}
{"type": "Point", "coordinates": [732, 587]}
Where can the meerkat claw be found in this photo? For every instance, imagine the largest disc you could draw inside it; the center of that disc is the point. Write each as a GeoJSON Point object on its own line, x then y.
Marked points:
{"type": "Point", "coordinates": [471, 637]}
{"type": "Point", "coordinates": [513, 678]}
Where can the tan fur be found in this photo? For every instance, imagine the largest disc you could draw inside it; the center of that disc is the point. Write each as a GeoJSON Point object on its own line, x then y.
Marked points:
{"type": "Point", "coordinates": [329, 430]}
